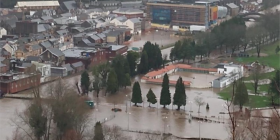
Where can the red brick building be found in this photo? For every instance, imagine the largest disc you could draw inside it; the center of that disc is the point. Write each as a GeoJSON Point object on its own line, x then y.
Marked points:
{"type": "Point", "coordinates": [89, 56]}
{"type": "Point", "coordinates": [113, 50]}
{"type": "Point", "coordinates": [16, 82]}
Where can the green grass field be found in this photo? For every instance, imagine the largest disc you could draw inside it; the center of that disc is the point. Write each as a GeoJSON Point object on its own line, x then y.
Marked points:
{"type": "Point", "coordinates": [272, 60]}
{"type": "Point", "coordinates": [255, 101]}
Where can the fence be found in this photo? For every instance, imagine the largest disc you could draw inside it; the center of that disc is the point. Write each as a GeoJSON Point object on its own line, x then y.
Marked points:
{"type": "Point", "coordinates": [106, 119]}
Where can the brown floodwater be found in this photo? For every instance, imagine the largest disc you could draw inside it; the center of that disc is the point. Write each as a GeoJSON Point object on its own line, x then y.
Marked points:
{"type": "Point", "coordinates": [141, 118]}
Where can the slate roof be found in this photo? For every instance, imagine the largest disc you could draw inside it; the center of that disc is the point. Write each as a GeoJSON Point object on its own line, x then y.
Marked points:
{"type": "Point", "coordinates": [36, 20]}
{"type": "Point", "coordinates": [2, 65]}
{"type": "Point", "coordinates": [55, 51]}
{"type": "Point", "coordinates": [62, 32]}
{"type": "Point", "coordinates": [94, 37]}
{"type": "Point", "coordinates": [101, 35]}
{"type": "Point", "coordinates": [69, 5]}
{"type": "Point", "coordinates": [66, 15]}
{"type": "Point", "coordinates": [26, 64]}
{"type": "Point", "coordinates": [46, 44]}
{"type": "Point", "coordinates": [46, 18]}
{"type": "Point", "coordinates": [121, 18]}
{"type": "Point", "coordinates": [134, 20]}
{"type": "Point", "coordinates": [33, 58]}
{"type": "Point", "coordinates": [2, 59]}
{"type": "Point", "coordinates": [232, 5]}
{"type": "Point", "coordinates": [68, 67]}
{"type": "Point", "coordinates": [63, 27]}
{"type": "Point", "coordinates": [36, 47]}
{"type": "Point", "coordinates": [77, 64]}
{"type": "Point", "coordinates": [113, 33]}
{"type": "Point", "coordinates": [10, 20]}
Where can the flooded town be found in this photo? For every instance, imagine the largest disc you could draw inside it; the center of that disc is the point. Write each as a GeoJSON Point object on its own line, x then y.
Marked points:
{"type": "Point", "coordinates": [139, 70]}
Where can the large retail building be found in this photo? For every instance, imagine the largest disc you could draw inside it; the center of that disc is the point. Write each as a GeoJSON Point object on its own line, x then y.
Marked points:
{"type": "Point", "coordinates": [181, 14]}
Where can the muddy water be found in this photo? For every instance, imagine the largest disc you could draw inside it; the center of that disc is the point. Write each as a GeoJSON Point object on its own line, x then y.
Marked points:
{"type": "Point", "coordinates": [160, 37]}
{"type": "Point", "coordinates": [142, 118]}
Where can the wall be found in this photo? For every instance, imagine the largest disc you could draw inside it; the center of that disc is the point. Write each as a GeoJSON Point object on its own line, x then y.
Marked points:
{"type": "Point", "coordinates": [21, 84]}
{"type": "Point", "coordinates": [111, 39]}
{"type": "Point", "coordinates": [3, 32]}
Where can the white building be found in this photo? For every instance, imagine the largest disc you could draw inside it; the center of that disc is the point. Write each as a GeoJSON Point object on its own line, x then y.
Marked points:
{"type": "Point", "coordinates": [231, 73]}
{"type": "Point", "coordinates": [45, 69]}
{"type": "Point", "coordinates": [3, 31]}
{"type": "Point", "coordinates": [134, 24]}
{"type": "Point", "coordinates": [119, 20]}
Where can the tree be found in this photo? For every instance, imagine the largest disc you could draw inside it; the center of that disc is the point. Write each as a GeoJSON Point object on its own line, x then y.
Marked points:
{"type": "Point", "coordinates": [115, 133]}
{"type": "Point", "coordinates": [275, 84]}
{"type": "Point", "coordinates": [241, 97]}
{"type": "Point", "coordinates": [256, 35]}
{"type": "Point", "coordinates": [256, 72]}
{"type": "Point", "coordinates": [277, 49]}
{"type": "Point", "coordinates": [151, 97]}
{"type": "Point", "coordinates": [143, 66]}
{"type": "Point", "coordinates": [127, 80]}
{"type": "Point", "coordinates": [61, 115]}
{"type": "Point", "coordinates": [199, 101]}
{"type": "Point", "coordinates": [37, 119]}
{"type": "Point", "coordinates": [132, 58]}
{"type": "Point", "coordinates": [154, 55]}
{"type": "Point", "coordinates": [121, 67]}
{"type": "Point", "coordinates": [136, 94]}
{"type": "Point", "coordinates": [165, 96]}
{"type": "Point", "coordinates": [112, 82]}
{"type": "Point", "coordinates": [179, 97]}
{"type": "Point", "coordinates": [98, 132]}
{"type": "Point", "coordinates": [97, 85]}
{"type": "Point", "coordinates": [85, 82]}
{"type": "Point", "coordinates": [102, 70]}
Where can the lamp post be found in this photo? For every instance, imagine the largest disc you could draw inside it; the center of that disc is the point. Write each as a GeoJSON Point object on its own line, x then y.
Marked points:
{"type": "Point", "coordinates": [125, 103]}
{"type": "Point", "coordinates": [157, 105]}
{"type": "Point", "coordinates": [96, 115]}
{"type": "Point", "coordinates": [190, 106]}
{"type": "Point", "coordinates": [164, 124]}
{"type": "Point", "coordinates": [128, 120]}
{"type": "Point", "coordinates": [199, 129]}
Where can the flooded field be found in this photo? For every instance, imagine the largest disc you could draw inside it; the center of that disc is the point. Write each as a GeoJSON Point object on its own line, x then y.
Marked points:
{"type": "Point", "coordinates": [160, 37]}
{"type": "Point", "coordinates": [142, 118]}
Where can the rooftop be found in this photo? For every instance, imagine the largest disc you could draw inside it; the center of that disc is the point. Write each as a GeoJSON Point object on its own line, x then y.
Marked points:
{"type": "Point", "coordinates": [116, 47]}
{"type": "Point", "coordinates": [77, 52]}
{"type": "Point", "coordinates": [36, 3]}
{"type": "Point", "coordinates": [128, 11]}
{"type": "Point", "coordinates": [77, 64]}
{"type": "Point", "coordinates": [232, 5]}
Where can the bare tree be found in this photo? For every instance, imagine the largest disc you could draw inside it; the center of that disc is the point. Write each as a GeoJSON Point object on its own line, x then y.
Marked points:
{"type": "Point", "coordinates": [114, 133]}
{"type": "Point", "coordinates": [199, 101]}
{"type": "Point", "coordinates": [232, 118]}
{"type": "Point", "coordinates": [256, 73]}
{"type": "Point", "coordinates": [256, 35]}
{"type": "Point", "coordinates": [62, 116]}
